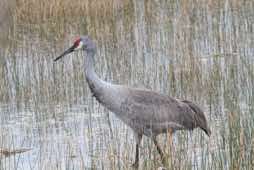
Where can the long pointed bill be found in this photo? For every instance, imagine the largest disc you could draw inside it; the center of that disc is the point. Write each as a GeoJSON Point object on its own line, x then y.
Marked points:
{"type": "Point", "coordinates": [71, 49]}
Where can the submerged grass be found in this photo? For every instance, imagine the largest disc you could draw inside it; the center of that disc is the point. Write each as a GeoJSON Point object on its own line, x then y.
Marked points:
{"type": "Point", "coordinates": [197, 50]}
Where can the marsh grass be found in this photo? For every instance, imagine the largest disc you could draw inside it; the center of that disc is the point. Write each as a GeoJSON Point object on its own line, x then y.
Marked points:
{"type": "Point", "coordinates": [200, 50]}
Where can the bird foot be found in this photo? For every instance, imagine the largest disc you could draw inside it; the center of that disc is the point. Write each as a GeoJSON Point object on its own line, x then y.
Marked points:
{"type": "Point", "coordinates": [135, 165]}
{"type": "Point", "coordinates": [164, 162]}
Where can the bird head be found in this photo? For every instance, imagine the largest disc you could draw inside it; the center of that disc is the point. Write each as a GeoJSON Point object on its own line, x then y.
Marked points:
{"type": "Point", "coordinates": [81, 43]}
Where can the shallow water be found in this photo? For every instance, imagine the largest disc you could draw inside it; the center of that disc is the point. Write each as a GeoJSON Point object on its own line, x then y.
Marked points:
{"type": "Point", "coordinates": [201, 52]}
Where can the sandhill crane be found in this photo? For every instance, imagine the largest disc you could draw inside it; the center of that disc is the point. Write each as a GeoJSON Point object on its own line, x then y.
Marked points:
{"type": "Point", "coordinates": [146, 112]}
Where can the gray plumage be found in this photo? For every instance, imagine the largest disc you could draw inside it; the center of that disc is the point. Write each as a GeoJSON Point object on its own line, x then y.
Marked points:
{"type": "Point", "coordinates": [146, 112]}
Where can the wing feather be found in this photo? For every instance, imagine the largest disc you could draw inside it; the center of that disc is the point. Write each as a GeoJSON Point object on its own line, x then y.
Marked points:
{"type": "Point", "coordinates": [154, 110]}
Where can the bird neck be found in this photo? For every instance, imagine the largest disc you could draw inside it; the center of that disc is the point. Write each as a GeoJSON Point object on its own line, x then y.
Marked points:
{"type": "Point", "coordinates": [96, 85]}
{"type": "Point", "coordinates": [89, 64]}
{"type": "Point", "coordinates": [107, 94]}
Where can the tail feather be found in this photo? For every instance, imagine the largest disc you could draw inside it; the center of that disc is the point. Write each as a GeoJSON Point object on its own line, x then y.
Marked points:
{"type": "Point", "coordinates": [207, 131]}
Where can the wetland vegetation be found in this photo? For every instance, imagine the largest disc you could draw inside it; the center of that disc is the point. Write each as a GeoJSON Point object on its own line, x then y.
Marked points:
{"type": "Point", "coordinates": [197, 50]}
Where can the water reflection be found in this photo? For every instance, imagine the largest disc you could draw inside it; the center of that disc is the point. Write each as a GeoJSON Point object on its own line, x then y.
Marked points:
{"type": "Point", "coordinates": [197, 51]}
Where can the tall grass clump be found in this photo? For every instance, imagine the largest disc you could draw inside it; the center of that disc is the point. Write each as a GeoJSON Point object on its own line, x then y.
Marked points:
{"type": "Point", "coordinates": [196, 50]}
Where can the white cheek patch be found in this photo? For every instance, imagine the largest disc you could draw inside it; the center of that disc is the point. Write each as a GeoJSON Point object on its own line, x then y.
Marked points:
{"type": "Point", "coordinates": [80, 45]}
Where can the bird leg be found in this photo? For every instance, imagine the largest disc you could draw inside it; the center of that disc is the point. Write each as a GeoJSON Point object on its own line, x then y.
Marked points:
{"type": "Point", "coordinates": [136, 163]}
{"type": "Point", "coordinates": [159, 150]}
{"type": "Point", "coordinates": [170, 139]}
{"type": "Point", "coordinates": [138, 140]}
{"type": "Point", "coordinates": [170, 143]}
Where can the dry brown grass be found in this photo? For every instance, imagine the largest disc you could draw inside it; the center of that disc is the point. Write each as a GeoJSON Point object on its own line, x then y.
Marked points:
{"type": "Point", "coordinates": [37, 12]}
{"type": "Point", "coordinates": [192, 36]}
{"type": "Point", "coordinates": [57, 19]}
{"type": "Point", "coordinates": [63, 17]}
{"type": "Point", "coordinates": [8, 152]}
